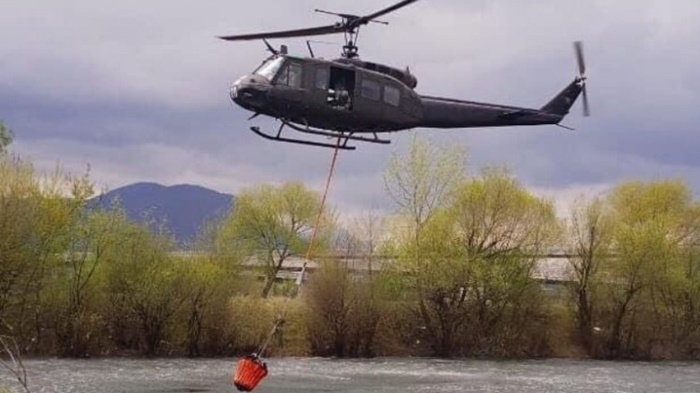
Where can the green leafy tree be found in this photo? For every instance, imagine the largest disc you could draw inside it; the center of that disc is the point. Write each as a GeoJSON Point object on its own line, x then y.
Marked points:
{"type": "Point", "coordinates": [94, 239]}
{"type": "Point", "coordinates": [37, 213]}
{"type": "Point", "coordinates": [420, 184]}
{"type": "Point", "coordinates": [420, 181]}
{"type": "Point", "coordinates": [657, 223]}
{"type": "Point", "coordinates": [437, 275]}
{"type": "Point", "coordinates": [5, 138]}
{"type": "Point", "coordinates": [211, 277]}
{"type": "Point", "coordinates": [496, 215]}
{"type": "Point", "coordinates": [477, 262]}
{"type": "Point", "coordinates": [471, 255]}
{"type": "Point", "coordinates": [145, 284]}
{"type": "Point", "coordinates": [272, 223]}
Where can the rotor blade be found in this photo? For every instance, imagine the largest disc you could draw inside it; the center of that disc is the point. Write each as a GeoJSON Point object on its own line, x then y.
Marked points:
{"type": "Point", "coordinates": [330, 29]}
{"type": "Point", "coordinates": [385, 11]}
{"type": "Point", "coordinates": [586, 108]}
{"type": "Point", "coordinates": [578, 47]}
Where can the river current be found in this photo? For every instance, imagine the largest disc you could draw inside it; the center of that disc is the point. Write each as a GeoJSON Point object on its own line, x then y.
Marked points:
{"type": "Point", "coordinates": [378, 375]}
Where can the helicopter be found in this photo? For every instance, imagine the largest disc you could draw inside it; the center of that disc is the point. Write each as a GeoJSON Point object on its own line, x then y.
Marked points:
{"type": "Point", "coordinates": [351, 99]}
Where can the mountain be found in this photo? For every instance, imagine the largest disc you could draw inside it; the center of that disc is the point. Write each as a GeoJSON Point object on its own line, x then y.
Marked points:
{"type": "Point", "coordinates": [183, 208]}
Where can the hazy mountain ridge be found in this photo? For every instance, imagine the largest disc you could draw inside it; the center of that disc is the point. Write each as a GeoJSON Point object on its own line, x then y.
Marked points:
{"type": "Point", "coordinates": [183, 208]}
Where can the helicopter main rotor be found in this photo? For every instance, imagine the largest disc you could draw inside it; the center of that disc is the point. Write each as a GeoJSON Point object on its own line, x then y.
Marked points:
{"type": "Point", "coordinates": [349, 26]}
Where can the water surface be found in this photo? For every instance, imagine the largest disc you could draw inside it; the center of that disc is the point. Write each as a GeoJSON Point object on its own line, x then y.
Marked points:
{"type": "Point", "coordinates": [378, 375]}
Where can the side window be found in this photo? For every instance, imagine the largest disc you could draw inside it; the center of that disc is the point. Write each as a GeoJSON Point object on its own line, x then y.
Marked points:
{"type": "Point", "coordinates": [322, 78]}
{"type": "Point", "coordinates": [371, 89]}
{"type": "Point", "coordinates": [290, 75]}
{"type": "Point", "coordinates": [392, 95]}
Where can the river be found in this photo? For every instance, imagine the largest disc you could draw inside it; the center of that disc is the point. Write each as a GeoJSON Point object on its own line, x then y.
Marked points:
{"type": "Point", "coordinates": [378, 375]}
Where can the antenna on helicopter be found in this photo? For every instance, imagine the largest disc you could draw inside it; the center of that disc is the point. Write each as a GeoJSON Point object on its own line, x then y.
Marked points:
{"type": "Point", "coordinates": [349, 26]}
{"type": "Point", "coordinates": [270, 48]}
{"type": "Point", "coordinates": [311, 51]}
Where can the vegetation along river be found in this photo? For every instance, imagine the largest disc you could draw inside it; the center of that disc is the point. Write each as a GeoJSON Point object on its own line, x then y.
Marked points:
{"type": "Point", "coordinates": [378, 375]}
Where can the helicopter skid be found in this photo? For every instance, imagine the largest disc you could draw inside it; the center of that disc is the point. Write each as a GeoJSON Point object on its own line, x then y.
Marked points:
{"type": "Point", "coordinates": [342, 135]}
{"type": "Point", "coordinates": [341, 145]}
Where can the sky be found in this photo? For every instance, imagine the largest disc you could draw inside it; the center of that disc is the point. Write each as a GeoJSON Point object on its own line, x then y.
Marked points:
{"type": "Point", "coordinates": [138, 91]}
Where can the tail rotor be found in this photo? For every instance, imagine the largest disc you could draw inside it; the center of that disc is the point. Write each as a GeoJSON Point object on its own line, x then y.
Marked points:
{"type": "Point", "coordinates": [578, 48]}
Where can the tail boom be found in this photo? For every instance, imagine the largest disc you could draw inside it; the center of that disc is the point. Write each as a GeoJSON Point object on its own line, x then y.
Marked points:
{"type": "Point", "coordinates": [441, 112]}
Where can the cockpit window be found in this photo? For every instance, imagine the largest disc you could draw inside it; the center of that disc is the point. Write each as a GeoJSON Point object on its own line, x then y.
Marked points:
{"type": "Point", "coordinates": [290, 75]}
{"type": "Point", "coordinates": [270, 68]}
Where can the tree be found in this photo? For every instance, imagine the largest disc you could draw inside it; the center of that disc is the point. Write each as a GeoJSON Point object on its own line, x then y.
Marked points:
{"type": "Point", "coordinates": [93, 240]}
{"type": "Point", "coordinates": [437, 273]}
{"type": "Point", "coordinates": [496, 215]}
{"type": "Point", "coordinates": [470, 258]}
{"type": "Point", "coordinates": [657, 223]}
{"type": "Point", "coordinates": [14, 365]}
{"type": "Point", "coordinates": [18, 216]}
{"type": "Point", "coordinates": [420, 184]}
{"type": "Point", "coordinates": [272, 223]}
{"type": "Point", "coordinates": [5, 138]}
{"type": "Point", "coordinates": [590, 236]}
{"type": "Point", "coordinates": [37, 213]}
{"type": "Point", "coordinates": [144, 283]}
{"type": "Point", "coordinates": [345, 309]}
{"type": "Point", "coordinates": [500, 229]}
{"type": "Point", "coordinates": [210, 276]}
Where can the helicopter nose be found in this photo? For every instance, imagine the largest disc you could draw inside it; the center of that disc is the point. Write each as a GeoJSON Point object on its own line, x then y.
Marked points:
{"type": "Point", "coordinates": [249, 92]}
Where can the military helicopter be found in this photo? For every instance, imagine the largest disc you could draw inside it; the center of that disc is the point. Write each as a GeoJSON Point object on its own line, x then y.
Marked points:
{"type": "Point", "coordinates": [355, 100]}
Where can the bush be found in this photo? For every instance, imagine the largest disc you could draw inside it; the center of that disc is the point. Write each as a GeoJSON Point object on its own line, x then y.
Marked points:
{"type": "Point", "coordinates": [252, 319]}
{"type": "Point", "coordinates": [344, 312]}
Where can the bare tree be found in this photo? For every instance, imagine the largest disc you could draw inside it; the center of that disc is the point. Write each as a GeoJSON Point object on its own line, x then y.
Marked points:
{"type": "Point", "coordinates": [10, 350]}
{"type": "Point", "coordinates": [590, 237]}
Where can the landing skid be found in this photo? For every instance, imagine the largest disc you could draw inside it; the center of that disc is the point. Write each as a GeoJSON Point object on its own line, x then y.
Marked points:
{"type": "Point", "coordinates": [348, 135]}
{"type": "Point", "coordinates": [342, 143]}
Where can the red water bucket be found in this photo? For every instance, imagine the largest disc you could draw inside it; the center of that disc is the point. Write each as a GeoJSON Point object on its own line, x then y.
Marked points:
{"type": "Point", "coordinates": [249, 372]}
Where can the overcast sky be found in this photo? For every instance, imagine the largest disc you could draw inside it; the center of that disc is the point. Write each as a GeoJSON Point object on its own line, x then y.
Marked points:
{"type": "Point", "coordinates": [139, 90]}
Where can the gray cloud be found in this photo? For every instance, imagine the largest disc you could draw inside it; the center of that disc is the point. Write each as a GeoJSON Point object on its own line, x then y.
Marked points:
{"type": "Point", "coordinates": [140, 90]}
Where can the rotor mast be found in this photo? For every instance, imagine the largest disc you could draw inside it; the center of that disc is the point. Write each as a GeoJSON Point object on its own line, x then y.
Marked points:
{"type": "Point", "coordinates": [350, 48]}
{"type": "Point", "coordinates": [352, 31]}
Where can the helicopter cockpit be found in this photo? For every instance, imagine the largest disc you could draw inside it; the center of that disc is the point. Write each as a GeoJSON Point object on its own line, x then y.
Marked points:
{"type": "Point", "coordinates": [282, 71]}
{"type": "Point", "coordinates": [251, 91]}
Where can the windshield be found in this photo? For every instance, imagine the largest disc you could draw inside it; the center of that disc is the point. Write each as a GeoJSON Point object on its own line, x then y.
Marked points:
{"type": "Point", "coordinates": [270, 68]}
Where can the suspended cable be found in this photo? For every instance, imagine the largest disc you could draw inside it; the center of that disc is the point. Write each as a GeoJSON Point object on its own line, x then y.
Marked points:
{"type": "Point", "coordinates": [251, 370]}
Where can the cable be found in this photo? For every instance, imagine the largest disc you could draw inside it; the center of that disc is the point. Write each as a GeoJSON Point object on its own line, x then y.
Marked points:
{"type": "Point", "coordinates": [323, 201]}
{"type": "Point", "coordinates": [280, 319]}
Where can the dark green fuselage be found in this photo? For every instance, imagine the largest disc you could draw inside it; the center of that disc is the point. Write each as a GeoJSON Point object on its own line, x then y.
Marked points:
{"type": "Point", "coordinates": [355, 96]}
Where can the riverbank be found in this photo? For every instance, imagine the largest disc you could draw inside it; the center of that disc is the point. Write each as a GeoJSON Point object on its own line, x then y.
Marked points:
{"type": "Point", "coordinates": [248, 320]}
